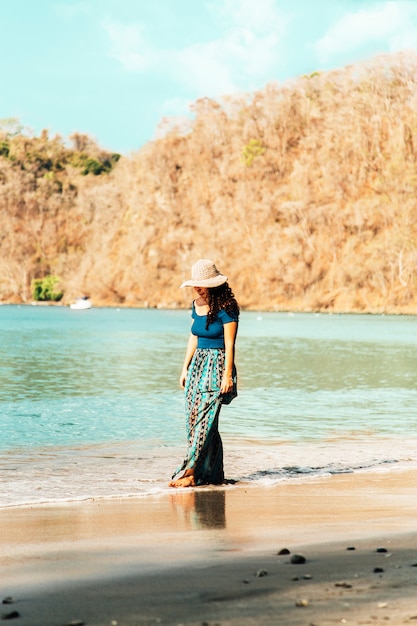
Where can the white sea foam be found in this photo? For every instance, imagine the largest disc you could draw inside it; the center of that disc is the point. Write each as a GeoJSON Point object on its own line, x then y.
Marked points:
{"type": "Point", "coordinates": [126, 470]}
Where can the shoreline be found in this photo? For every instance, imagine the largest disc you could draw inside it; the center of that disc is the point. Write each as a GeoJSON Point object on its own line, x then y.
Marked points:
{"type": "Point", "coordinates": [191, 556]}
{"type": "Point", "coordinates": [412, 312]}
{"type": "Point", "coordinates": [90, 486]}
{"type": "Point", "coordinates": [288, 476]}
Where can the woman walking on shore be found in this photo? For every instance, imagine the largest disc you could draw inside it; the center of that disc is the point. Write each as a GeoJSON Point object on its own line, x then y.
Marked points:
{"type": "Point", "coordinates": [208, 374]}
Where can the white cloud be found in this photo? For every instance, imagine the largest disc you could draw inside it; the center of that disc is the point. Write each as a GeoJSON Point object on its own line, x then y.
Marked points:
{"type": "Point", "coordinates": [392, 24]}
{"type": "Point", "coordinates": [200, 67]}
{"type": "Point", "coordinates": [251, 44]}
{"type": "Point", "coordinates": [260, 16]}
{"type": "Point", "coordinates": [241, 55]}
{"type": "Point", "coordinates": [128, 46]}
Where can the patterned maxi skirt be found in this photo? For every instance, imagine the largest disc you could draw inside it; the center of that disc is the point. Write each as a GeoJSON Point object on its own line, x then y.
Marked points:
{"type": "Point", "coordinates": [203, 402]}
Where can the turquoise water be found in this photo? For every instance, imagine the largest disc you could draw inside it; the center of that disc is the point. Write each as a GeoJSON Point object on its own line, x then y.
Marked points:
{"type": "Point", "coordinates": [90, 404]}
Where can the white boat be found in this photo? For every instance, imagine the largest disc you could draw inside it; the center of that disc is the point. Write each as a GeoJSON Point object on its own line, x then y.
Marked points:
{"type": "Point", "coordinates": [81, 304]}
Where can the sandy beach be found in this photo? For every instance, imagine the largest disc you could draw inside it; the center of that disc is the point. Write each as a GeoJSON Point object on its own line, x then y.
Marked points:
{"type": "Point", "coordinates": [213, 556]}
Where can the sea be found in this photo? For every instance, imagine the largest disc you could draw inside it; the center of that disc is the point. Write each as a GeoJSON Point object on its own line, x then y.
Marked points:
{"type": "Point", "coordinates": [91, 407]}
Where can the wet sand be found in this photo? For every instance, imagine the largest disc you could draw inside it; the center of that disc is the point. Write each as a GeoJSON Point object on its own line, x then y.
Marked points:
{"type": "Point", "coordinates": [210, 556]}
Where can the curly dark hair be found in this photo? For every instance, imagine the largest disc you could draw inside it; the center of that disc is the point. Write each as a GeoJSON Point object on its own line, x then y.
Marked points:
{"type": "Point", "coordinates": [221, 298]}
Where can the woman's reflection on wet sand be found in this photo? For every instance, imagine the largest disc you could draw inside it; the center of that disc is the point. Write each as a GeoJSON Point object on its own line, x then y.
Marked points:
{"type": "Point", "coordinates": [201, 508]}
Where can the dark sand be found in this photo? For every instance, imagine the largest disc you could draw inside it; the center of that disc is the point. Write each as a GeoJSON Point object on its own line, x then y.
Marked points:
{"type": "Point", "coordinates": [209, 556]}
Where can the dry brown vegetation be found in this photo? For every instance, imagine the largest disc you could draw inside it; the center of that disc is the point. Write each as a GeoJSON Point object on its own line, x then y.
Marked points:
{"type": "Point", "coordinates": [303, 193]}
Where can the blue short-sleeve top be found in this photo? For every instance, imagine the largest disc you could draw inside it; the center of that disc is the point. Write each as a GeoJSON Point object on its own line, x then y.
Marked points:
{"type": "Point", "coordinates": [213, 336]}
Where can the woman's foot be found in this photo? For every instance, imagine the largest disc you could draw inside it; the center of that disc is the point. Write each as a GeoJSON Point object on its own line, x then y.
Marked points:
{"type": "Point", "coordinates": [185, 481]}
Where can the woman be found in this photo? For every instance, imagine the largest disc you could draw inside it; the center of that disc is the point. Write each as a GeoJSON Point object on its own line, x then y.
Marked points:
{"type": "Point", "coordinates": [208, 374]}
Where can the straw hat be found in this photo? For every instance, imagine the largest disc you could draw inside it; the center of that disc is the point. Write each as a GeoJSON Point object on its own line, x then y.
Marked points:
{"type": "Point", "coordinates": [205, 274]}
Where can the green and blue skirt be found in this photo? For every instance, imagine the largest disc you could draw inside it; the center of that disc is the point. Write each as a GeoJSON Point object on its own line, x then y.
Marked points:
{"type": "Point", "coordinates": [203, 402]}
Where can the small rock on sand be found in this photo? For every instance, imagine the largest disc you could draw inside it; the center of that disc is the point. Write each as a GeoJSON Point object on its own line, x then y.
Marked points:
{"type": "Point", "coordinates": [11, 615]}
{"type": "Point", "coordinates": [298, 559]}
{"type": "Point", "coordinates": [261, 573]}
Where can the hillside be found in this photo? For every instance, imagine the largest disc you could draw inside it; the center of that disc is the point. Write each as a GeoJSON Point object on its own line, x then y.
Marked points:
{"type": "Point", "coordinates": [303, 193]}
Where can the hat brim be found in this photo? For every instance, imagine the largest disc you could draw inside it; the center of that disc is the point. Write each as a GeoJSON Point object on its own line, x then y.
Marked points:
{"type": "Point", "coordinates": [216, 281]}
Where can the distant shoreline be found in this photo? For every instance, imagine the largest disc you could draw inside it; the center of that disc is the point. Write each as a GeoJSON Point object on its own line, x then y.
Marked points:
{"type": "Point", "coordinates": [185, 308]}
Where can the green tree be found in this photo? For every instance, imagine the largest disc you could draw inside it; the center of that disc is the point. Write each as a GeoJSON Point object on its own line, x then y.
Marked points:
{"type": "Point", "coordinates": [4, 148]}
{"type": "Point", "coordinates": [43, 289]}
{"type": "Point", "coordinates": [252, 150]}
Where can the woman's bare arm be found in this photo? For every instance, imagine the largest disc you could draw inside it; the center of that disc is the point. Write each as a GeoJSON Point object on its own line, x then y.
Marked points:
{"type": "Point", "coordinates": [230, 330]}
{"type": "Point", "coordinates": [191, 348]}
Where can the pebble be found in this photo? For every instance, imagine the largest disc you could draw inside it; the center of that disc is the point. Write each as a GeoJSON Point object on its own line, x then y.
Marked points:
{"type": "Point", "coordinates": [11, 615]}
{"type": "Point", "coordinates": [298, 559]}
{"type": "Point", "coordinates": [302, 602]}
{"type": "Point", "coordinates": [284, 551]}
{"type": "Point", "coordinates": [307, 577]}
{"type": "Point", "coordinates": [381, 550]}
{"type": "Point", "coordinates": [261, 573]}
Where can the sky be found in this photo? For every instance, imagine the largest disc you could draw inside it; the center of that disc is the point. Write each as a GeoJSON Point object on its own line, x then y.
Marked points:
{"type": "Point", "coordinates": [114, 69]}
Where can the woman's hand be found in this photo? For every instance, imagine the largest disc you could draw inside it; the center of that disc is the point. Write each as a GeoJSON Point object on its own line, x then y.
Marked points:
{"type": "Point", "coordinates": [226, 384]}
{"type": "Point", "coordinates": [183, 377]}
